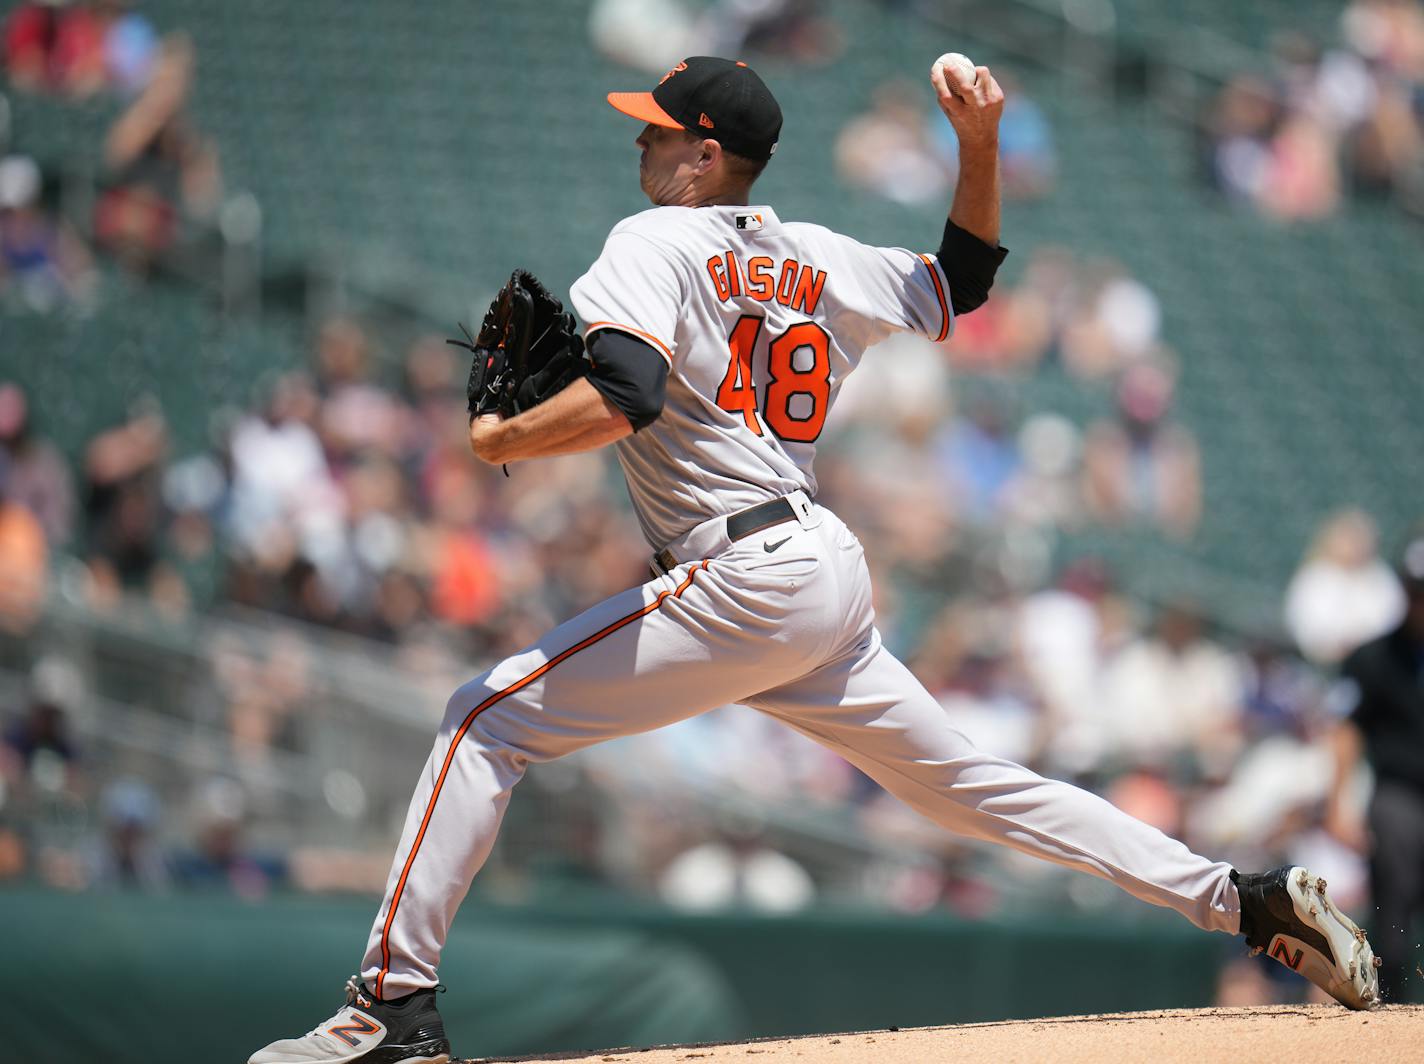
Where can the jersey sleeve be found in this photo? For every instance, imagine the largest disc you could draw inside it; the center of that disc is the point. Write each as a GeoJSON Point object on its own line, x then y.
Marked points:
{"type": "Point", "coordinates": [906, 291]}
{"type": "Point", "coordinates": [633, 287]}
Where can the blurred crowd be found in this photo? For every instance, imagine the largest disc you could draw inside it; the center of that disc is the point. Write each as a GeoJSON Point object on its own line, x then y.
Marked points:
{"type": "Point", "coordinates": [1327, 119]}
{"type": "Point", "coordinates": [906, 152]}
{"type": "Point", "coordinates": [652, 35]}
{"type": "Point", "coordinates": [1086, 320]}
{"type": "Point", "coordinates": [157, 171]}
{"type": "Point", "coordinates": [340, 499]}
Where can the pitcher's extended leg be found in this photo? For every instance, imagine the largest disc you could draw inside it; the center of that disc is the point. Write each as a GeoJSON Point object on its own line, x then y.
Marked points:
{"type": "Point", "coordinates": [870, 709]}
{"type": "Point", "coordinates": [655, 654]}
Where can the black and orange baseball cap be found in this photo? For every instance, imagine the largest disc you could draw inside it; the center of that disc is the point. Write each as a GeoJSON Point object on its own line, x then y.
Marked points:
{"type": "Point", "coordinates": [718, 98]}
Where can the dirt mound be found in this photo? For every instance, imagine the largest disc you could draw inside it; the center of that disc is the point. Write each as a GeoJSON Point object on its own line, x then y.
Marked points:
{"type": "Point", "coordinates": [1267, 1035]}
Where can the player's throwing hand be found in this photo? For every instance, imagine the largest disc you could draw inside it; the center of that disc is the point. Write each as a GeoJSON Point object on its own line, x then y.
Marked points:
{"type": "Point", "coordinates": [971, 99]}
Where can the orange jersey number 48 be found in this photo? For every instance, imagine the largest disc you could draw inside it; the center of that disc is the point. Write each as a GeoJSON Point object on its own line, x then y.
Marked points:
{"type": "Point", "coordinates": [738, 391]}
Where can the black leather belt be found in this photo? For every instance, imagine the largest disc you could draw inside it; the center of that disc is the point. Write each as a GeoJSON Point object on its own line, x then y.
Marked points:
{"type": "Point", "coordinates": [753, 519]}
{"type": "Point", "coordinates": [741, 525]}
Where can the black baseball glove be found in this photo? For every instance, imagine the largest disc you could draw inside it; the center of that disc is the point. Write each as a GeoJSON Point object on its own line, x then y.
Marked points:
{"type": "Point", "coordinates": [528, 349]}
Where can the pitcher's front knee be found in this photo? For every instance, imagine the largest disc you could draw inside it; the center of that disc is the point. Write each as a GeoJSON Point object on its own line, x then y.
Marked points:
{"type": "Point", "coordinates": [467, 699]}
{"type": "Point", "coordinates": [502, 724]}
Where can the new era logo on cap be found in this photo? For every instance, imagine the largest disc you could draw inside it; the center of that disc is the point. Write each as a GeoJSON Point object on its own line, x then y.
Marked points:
{"type": "Point", "coordinates": [721, 96]}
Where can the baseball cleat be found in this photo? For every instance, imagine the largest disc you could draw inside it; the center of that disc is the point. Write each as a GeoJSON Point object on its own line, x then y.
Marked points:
{"type": "Point", "coordinates": [1286, 914]}
{"type": "Point", "coordinates": [368, 1030]}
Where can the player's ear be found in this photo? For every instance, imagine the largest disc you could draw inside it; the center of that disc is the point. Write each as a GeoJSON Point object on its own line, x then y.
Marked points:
{"type": "Point", "coordinates": [710, 155]}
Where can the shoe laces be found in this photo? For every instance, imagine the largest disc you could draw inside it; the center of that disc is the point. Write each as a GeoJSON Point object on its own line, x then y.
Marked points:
{"type": "Point", "coordinates": [354, 989]}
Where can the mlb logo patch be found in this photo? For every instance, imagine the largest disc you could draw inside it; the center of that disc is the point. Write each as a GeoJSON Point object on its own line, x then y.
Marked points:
{"type": "Point", "coordinates": [749, 221]}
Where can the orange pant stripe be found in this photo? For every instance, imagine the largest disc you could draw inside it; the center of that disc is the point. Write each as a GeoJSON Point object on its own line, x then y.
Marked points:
{"type": "Point", "coordinates": [464, 727]}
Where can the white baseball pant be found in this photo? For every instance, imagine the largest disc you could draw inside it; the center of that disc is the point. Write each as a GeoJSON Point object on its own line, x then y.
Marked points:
{"type": "Point", "coordinates": [787, 629]}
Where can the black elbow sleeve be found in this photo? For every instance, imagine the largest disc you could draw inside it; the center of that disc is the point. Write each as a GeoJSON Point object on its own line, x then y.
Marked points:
{"type": "Point", "coordinates": [630, 374]}
{"type": "Point", "coordinates": [969, 264]}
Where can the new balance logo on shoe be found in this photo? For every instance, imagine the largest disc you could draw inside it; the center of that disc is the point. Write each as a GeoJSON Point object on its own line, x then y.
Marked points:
{"type": "Point", "coordinates": [349, 1032]}
{"type": "Point", "coordinates": [1279, 952]}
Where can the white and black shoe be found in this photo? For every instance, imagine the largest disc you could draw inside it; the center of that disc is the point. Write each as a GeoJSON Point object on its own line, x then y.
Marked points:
{"type": "Point", "coordinates": [405, 1031]}
{"type": "Point", "coordinates": [1286, 914]}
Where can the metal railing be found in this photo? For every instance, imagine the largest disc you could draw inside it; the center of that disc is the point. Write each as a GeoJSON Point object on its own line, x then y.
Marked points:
{"type": "Point", "coordinates": [322, 735]}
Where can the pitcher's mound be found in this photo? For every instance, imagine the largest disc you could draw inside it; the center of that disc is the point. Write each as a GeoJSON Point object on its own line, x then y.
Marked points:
{"type": "Point", "coordinates": [1266, 1035]}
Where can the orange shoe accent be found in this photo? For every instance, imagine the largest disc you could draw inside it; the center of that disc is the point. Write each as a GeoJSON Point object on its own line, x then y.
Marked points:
{"type": "Point", "coordinates": [347, 1031]}
{"type": "Point", "coordinates": [518, 685]}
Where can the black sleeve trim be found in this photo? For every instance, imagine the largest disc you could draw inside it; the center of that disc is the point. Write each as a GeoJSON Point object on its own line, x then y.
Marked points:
{"type": "Point", "coordinates": [970, 265]}
{"type": "Point", "coordinates": [630, 374]}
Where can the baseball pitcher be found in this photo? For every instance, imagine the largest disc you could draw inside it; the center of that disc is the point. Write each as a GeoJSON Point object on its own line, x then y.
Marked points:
{"type": "Point", "coordinates": [715, 337]}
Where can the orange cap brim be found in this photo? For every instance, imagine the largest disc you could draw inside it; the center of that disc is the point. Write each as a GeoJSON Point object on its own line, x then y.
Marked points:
{"type": "Point", "coordinates": [642, 106]}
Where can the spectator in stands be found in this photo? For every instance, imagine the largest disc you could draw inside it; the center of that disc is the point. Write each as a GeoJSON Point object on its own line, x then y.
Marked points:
{"type": "Point", "coordinates": [123, 507]}
{"type": "Point", "coordinates": [801, 31]}
{"type": "Point", "coordinates": [736, 868]}
{"type": "Point", "coordinates": [36, 751]}
{"type": "Point", "coordinates": [281, 482]}
{"type": "Point", "coordinates": [979, 454]}
{"type": "Point", "coordinates": [194, 491]}
{"type": "Point", "coordinates": [1045, 491]}
{"type": "Point", "coordinates": [1389, 34]}
{"type": "Point", "coordinates": [649, 35]}
{"type": "Point", "coordinates": [1283, 695]}
{"type": "Point", "coordinates": [24, 560]}
{"type": "Point", "coordinates": [161, 168]}
{"type": "Point", "coordinates": [131, 46]}
{"type": "Point", "coordinates": [54, 46]}
{"type": "Point", "coordinates": [1143, 465]}
{"type": "Point", "coordinates": [1062, 636]}
{"type": "Point", "coordinates": [1302, 180]}
{"type": "Point", "coordinates": [1238, 132]}
{"type": "Point", "coordinates": [1386, 726]}
{"type": "Point", "coordinates": [1385, 155]}
{"type": "Point", "coordinates": [1173, 698]}
{"type": "Point", "coordinates": [220, 858]}
{"type": "Point", "coordinates": [40, 765]}
{"type": "Point", "coordinates": [43, 263]}
{"type": "Point", "coordinates": [357, 413]}
{"type": "Point", "coordinates": [434, 389]}
{"type": "Point", "coordinates": [35, 474]}
{"type": "Point", "coordinates": [1017, 328]}
{"type": "Point", "coordinates": [1117, 323]}
{"type": "Point", "coordinates": [464, 575]}
{"type": "Point", "coordinates": [888, 150]}
{"type": "Point", "coordinates": [1281, 146]}
{"type": "Point", "coordinates": [1343, 594]}
{"type": "Point", "coordinates": [127, 855]}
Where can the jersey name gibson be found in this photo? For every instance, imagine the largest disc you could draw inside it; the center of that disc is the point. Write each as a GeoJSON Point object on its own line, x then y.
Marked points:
{"type": "Point", "coordinates": [790, 283]}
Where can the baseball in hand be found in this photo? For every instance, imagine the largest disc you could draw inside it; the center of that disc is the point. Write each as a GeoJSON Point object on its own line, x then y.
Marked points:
{"type": "Point", "coordinates": [961, 64]}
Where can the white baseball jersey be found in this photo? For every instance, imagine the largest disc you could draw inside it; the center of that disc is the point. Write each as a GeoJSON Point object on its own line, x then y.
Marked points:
{"type": "Point", "coordinates": [760, 321]}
